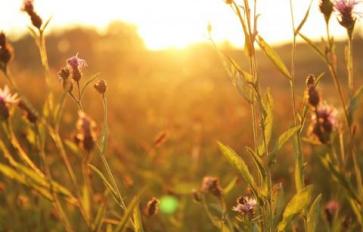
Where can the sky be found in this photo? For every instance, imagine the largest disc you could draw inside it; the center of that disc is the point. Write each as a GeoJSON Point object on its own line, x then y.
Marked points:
{"type": "Point", "coordinates": [170, 23]}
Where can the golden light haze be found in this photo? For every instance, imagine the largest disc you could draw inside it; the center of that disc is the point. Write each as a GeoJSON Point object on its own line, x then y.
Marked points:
{"type": "Point", "coordinates": [170, 23]}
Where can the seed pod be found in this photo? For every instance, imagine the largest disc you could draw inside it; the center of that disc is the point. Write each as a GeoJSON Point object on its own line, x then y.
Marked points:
{"type": "Point", "coordinates": [326, 8]}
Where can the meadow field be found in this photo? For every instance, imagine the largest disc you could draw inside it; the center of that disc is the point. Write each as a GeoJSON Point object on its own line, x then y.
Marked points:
{"type": "Point", "coordinates": [100, 133]}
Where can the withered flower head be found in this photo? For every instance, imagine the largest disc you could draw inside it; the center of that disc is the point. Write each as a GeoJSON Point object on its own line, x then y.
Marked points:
{"type": "Point", "coordinates": [28, 7]}
{"type": "Point", "coordinates": [347, 14]}
{"type": "Point", "coordinates": [63, 76]}
{"type": "Point", "coordinates": [246, 206]}
{"type": "Point", "coordinates": [101, 86]}
{"type": "Point", "coordinates": [76, 66]}
{"type": "Point", "coordinates": [6, 100]}
{"type": "Point", "coordinates": [152, 207]}
{"type": "Point", "coordinates": [211, 185]}
{"type": "Point", "coordinates": [324, 121]}
{"type": "Point", "coordinates": [86, 132]}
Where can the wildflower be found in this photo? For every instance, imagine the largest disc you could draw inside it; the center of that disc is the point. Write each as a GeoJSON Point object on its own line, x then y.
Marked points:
{"type": "Point", "coordinates": [331, 208]}
{"type": "Point", "coordinates": [5, 52]}
{"type": "Point", "coordinates": [347, 15]}
{"type": "Point", "coordinates": [152, 207]}
{"type": "Point", "coordinates": [324, 121]}
{"type": "Point", "coordinates": [326, 8]}
{"type": "Point", "coordinates": [29, 114]}
{"type": "Point", "coordinates": [246, 206]}
{"type": "Point", "coordinates": [211, 185]}
{"type": "Point", "coordinates": [86, 132]}
{"type": "Point", "coordinates": [101, 86]}
{"type": "Point", "coordinates": [6, 100]}
{"type": "Point", "coordinates": [76, 65]}
{"type": "Point", "coordinates": [28, 7]}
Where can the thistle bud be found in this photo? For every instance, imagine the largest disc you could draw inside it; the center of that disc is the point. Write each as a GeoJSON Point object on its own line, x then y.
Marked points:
{"type": "Point", "coordinates": [326, 8]}
{"type": "Point", "coordinates": [28, 8]}
{"type": "Point", "coordinates": [152, 207]}
{"type": "Point", "coordinates": [101, 86]}
{"type": "Point", "coordinates": [211, 185]}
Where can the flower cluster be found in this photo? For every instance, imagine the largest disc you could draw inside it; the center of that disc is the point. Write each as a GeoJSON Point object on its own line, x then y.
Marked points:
{"type": "Point", "coordinates": [28, 8]}
{"type": "Point", "coordinates": [73, 69]}
{"type": "Point", "coordinates": [246, 206]}
{"type": "Point", "coordinates": [5, 52]}
{"type": "Point", "coordinates": [86, 132]}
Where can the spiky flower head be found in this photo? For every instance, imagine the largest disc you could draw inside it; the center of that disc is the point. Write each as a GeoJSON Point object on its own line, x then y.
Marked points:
{"type": "Point", "coordinates": [86, 132]}
{"type": "Point", "coordinates": [246, 206]}
{"type": "Point", "coordinates": [76, 66]}
{"type": "Point", "coordinates": [211, 185]}
{"type": "Point", "coordinates": [347, 13]}
{"type": "Point", "coordinates": [324, 122]}
{"type": "Point", "coordinates": [6, 101]}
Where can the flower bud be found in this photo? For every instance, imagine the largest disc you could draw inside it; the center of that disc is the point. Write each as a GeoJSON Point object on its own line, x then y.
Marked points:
{"type": "Point", "coordinates": [152, 207]}
{"type": "Point", "coordinates": [211, 185]}
{"type": "Point", "coordinates": [326, 8]}
{"type": "Point", "coordinates": [101, 86]}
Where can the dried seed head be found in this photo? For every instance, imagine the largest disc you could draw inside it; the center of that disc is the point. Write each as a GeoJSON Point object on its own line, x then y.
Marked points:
{"type": "Point", "coordinates": [310, 80]}
{"type": "Point", "coordinates": [331, 209]}
{"type": "Point", "coordinates": [86, 132]}
{"type": "Point", "coordinates": [152, 207]}
{"type": "Point", "coordinates": [246, 206]}
{"type": "Point", "coordinates": [326, 8]}
{"type": "Point", "coordinates": [29, 114]}
{"type": "Point", "coordinates": [101, 86]}
{"type": "Point", "coordinates": [211, 185]}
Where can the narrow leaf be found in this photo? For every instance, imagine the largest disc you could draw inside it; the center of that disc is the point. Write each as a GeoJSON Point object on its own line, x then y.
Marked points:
{"type": "Point", "coordinates": [235, 160]}
{"type": "Point", "coordinates": [313, 214]}
{"type": "Point", "coordinates": [301, 24]}
{"type": "Point", "coordinates": [274, 57]}
{"type": "Point", "coordinates": [295, 206]}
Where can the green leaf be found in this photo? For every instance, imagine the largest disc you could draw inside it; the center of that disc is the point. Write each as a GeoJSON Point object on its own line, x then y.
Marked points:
{"type": "Point", "coordinates": [236, 161]}
{"type": "Point", "coordinates": [267, 105]}
{"type": "Point", "coordinates": [354, 103]}
{"type": "Point", "coordinates": [301, 24]}
{"type": "Point", "coordinates": [104, 179]}
{"type": "Point", "coordinates": [274, 57]}
{"type": "Point", "coordinates": [295, 206]}
{"type": "Point", "coordinates": [130, 208]}
{"type": "Point", "coordinates": [282, 140]}
{"type": "Point", "coordinates": [313, 214]}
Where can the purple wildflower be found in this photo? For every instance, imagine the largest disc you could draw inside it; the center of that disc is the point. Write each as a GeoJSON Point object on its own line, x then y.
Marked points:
{"type": "Point", "coordinates": [76, 66]}
{"type": "Point", "coordinates": [246, 206]}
